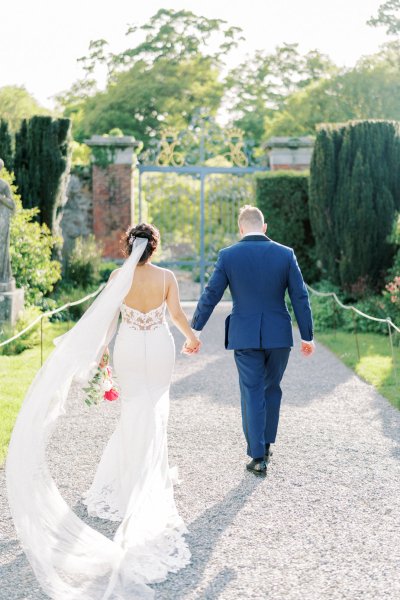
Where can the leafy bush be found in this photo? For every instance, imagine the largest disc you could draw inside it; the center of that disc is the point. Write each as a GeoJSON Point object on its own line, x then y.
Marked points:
{"type": "Point", "coordinates": [106, 268]}
{"type": "Point", "coordinates": [84, 262]}
{"type": "Point", "coordinates": [29, 339]}
{"type": "Point", "coordinates": [31, 246]}
{"type": "Point", "coordinates": [70, 293]}
{"type": "Point", "coordinates": [283, 198]}
{"type": "Point", "coordinates": [328, 315]}
{"type": "Point", "coordinates": [391, 293]}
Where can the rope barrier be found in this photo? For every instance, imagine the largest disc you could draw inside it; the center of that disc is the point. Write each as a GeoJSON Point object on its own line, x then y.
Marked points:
{"type": "Point", "coordinates": [93, 294]}
{"type": "Point", "coordinates": [387, 320]}
{"type": "Point", "coordinates": [49, 313]}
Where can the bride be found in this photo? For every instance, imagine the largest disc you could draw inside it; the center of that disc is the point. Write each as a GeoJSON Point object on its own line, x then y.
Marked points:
{"type": "Point", "coordinates": [133, 482]}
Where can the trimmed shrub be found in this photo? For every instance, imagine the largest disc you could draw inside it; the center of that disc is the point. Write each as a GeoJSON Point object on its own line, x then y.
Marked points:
{"type": "Point", "coordinates": [283, 198]}
{"type": "Point", "coordinates": [41, 161]}
{"type": "Point", "coordinates": [354, 195]}
{"type": "Point", "coordinates": [6, 152]}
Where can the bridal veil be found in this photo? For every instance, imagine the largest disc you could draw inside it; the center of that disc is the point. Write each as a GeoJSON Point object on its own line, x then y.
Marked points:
{"type": "Point", "coordinates": [71, 560]}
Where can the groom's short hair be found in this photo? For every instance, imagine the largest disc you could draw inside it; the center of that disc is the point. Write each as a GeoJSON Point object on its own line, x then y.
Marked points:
{"type": "Point", "coordinates": [251, 216]}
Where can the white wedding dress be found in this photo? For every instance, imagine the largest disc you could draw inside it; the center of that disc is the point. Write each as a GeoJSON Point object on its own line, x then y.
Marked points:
{"type": "Point", "coordinates": [134, 468]}
{"type": "Point", "coordinates": [71, 560]}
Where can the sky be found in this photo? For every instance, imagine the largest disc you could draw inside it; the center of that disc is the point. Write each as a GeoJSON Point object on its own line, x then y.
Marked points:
{"type": "Point", "coordinates": [40, 41]}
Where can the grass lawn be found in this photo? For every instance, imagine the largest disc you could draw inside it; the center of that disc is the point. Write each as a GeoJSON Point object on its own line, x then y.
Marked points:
{"type": "Point", "coordinates": [16, 374]}
{"type": "Point", "coordinates": [375, 364]}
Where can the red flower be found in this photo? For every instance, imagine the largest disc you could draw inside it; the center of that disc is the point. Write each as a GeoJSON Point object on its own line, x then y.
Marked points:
{"type": "Point", "coordinates": [111, 395]}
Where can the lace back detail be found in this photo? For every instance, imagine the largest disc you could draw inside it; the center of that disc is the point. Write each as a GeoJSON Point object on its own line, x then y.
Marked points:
{"type": "Point", "coordinates": [144, 321]}
{"type": "Point", "coordinates": [135, 319]}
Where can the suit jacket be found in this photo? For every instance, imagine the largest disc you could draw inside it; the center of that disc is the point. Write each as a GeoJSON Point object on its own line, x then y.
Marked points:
{"type": "Point", "coordinates": [258, 271]}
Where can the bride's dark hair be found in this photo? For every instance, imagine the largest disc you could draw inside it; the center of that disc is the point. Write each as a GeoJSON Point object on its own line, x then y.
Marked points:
{"type": "Point", "coordinates": [143, 230]}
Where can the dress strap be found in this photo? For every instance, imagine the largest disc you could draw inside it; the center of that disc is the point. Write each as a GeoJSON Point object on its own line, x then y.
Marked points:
{"type": "Point", "coordinates": [164, 298]}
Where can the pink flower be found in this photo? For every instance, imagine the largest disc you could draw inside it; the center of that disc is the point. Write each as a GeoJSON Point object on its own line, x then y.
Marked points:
{"type": "Point", "coordinates": [111, 395]}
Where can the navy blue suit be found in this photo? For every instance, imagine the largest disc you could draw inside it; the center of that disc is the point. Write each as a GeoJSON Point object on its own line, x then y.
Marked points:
{"type": "Point", "coordinates": [259, 329]}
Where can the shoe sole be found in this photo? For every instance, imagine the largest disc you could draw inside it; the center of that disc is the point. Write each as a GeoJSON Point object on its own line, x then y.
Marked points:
{"type": "Point", "coordinates": [259, 473]}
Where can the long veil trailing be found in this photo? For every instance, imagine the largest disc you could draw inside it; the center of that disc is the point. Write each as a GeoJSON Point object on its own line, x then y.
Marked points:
{"type": "Point", "coordinates": [70, 559]}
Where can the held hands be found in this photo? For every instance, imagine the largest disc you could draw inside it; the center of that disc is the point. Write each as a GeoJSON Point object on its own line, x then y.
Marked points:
{"type": "Point", "coordinates": [307, 348]}
{"type": "Point", "coordinates": [191, 346]}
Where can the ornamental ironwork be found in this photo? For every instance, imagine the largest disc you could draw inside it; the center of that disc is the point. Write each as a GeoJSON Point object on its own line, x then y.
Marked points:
{"type": "Point", "coordinates": [168, 155]}
{"type": "Point", "coordinates": [203, 142]}
{"type": "Point", "coordinates": [236, 153]}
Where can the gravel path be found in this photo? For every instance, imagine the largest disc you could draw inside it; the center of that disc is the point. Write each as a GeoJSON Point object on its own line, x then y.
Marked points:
{"type": "Point", "coordinates": [323, 525]}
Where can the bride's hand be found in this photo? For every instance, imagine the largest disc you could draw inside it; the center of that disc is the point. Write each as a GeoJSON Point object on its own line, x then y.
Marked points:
{"type": "Point", "coordinates": [191, 346]}
{"type": "Point", "coordinates": [105, 358]}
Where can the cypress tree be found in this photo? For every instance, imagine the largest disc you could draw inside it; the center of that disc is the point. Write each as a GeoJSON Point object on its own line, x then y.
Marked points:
{"type": "Point", "coordinates": [354, 195]}
{"type": "Point", "coordinates": [6, 152]}
{"type": "Point", "coordinates": [41, 162]}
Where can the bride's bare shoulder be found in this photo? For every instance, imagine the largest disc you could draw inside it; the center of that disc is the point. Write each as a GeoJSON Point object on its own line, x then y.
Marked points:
{"type": "Point", "coordinates": [170, 275]}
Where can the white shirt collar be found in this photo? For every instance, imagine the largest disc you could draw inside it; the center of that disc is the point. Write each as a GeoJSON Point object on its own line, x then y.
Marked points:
{"type": "Point", "coordinates": [254, 233]}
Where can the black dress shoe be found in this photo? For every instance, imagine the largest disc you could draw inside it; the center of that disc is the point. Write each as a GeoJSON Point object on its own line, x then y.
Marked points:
{"type": "Point", "coordinates": [267, 456]}
{"type": "Point", "coordinates": [258, 467]}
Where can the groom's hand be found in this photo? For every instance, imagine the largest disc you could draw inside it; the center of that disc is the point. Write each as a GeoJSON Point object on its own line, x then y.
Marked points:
{"type": "Point", "coordinates": [191, 346]}
{"type": "Point", "coordinates": [307, 348]}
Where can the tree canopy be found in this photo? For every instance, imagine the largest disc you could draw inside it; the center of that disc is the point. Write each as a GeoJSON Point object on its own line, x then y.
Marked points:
{"type": "Point", "coordinates": [388, 16]}
{"type": "Point", "coordinates": [16, 103]}
{"type": "Point", "coordinates": [174, 67]}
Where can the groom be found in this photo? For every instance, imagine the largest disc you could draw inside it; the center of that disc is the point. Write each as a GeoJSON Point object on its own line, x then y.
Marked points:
{"type": "Point", "coordinates": [259, 330]}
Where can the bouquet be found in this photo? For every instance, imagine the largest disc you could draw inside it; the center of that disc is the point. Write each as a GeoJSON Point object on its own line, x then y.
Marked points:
{"type": "Point", "coordinates": [102, 385]}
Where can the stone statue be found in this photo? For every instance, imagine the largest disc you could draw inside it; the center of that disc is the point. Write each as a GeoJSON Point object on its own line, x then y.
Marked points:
{"type": "Point", "coordinates": [7, 209]}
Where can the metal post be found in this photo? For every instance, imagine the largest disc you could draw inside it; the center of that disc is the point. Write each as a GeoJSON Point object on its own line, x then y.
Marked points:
{"type": "Point", "coordinates": [393, 359]}
{"type": "Point", "coordinates": [41, 341]}
{"type": "Point", "coordinates": [356, 336]}
{"type": "Point", "coordinates": [334, 316]}
{"type": "Point", "coordinates": [68, 318]}
{"type": "Point", "coordinates": [202, 232]}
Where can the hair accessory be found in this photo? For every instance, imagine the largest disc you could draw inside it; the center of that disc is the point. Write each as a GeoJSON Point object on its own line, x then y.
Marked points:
{"type": "Point", "coordinates": [131, 239]}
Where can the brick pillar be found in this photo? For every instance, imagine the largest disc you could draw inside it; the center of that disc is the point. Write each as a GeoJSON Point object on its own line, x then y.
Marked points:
{"type": "Point", "coordinates": [113, 163]}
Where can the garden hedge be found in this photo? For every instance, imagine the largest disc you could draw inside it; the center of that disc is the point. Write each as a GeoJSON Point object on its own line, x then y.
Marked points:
{"type": "Point", "coordinates": [283, 198]}
{"type": "Point", "coordinates": [40, 164]}
{"type": "Point", "coordinates": [354, 196]}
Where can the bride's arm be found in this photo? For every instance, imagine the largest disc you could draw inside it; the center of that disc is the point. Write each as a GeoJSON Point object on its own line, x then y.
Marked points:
{"type": "Point", "coordinates": [178, 317]}
{"type": "Point", "coordinates": [105, 356]}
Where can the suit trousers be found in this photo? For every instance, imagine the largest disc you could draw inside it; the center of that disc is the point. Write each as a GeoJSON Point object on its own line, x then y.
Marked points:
{"type": "Point", "coordinates": [260, 375]}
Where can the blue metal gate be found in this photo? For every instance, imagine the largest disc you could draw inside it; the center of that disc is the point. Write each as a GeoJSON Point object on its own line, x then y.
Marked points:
{"type": "Point", "coordinates": [194, 200]}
